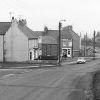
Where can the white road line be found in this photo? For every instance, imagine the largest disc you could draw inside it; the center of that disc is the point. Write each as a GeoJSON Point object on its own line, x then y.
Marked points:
{"type": "Point", "coordinates": [8, 75]}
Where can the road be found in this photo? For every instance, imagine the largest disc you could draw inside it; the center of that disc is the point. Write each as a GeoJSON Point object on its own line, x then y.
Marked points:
{"type": "Point", "coordinates": [54, 83]}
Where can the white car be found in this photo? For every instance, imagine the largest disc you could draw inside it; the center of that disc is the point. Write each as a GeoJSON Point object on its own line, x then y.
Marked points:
{"type": "Point", "coordinates": [81, 60]}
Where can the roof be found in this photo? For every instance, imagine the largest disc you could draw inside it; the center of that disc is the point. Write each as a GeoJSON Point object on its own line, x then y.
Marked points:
{"type": "Point", "coordinates": [38, 33]}
{"type": "Point", "coordinates": [55, 34]}
{"type": "Point", "coordinates": [4, 26]}
{"type": "Point", "coordinates": [48, 40]}
{"type": "Point", "coordinates": [27, 31]}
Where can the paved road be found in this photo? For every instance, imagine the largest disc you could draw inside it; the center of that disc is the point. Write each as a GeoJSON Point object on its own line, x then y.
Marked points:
{"type": "Point", "coordinates": [44, 84]}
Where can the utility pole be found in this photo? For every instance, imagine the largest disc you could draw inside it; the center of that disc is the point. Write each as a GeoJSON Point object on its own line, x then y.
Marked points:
{"type": "Point", "coordinates": [84, 45]}
{"type": "Point", "coordinates": [80, 41]}
{"type": "Point", "coordinates": [60, 25]}
{"type": "Point", "coordinates": [94, 45]}
{"type": "Point", "coordinates": [59, 41]}
{"type": "Point", "coordinates": [80, 46]}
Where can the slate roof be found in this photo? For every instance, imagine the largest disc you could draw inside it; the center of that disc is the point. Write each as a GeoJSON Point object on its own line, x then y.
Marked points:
{"type": "Point", "coordinates": [55, 34]}
{"type": "Point", "coordinates": [4, 26]}
{"type": "Point", "coordinates": [27, 31]}
{"type": "Point", "coordinates": [48, 40]}
{"type": "Point", "coordinates": [38, 33]}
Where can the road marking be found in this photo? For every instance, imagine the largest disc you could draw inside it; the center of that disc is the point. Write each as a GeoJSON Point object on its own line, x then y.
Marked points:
{"type": "Point", "coordinates": [6, 76]}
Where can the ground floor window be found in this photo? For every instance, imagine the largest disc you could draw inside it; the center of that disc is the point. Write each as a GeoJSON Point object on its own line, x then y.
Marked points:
{"type": "Point", "coordinates": [66, 52]}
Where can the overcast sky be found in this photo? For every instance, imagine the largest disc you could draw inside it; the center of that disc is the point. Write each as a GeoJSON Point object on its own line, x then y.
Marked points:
{"type": "Point", "coordinates": [83, 15]}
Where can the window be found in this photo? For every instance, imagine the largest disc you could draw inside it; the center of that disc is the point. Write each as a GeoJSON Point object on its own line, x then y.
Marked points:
{"type": "Point", "coordinates": [35, 43]}
{"type": "Point", "coordinates": [64, 42]}
{"type": "Point", "coordinates": [70, 44]}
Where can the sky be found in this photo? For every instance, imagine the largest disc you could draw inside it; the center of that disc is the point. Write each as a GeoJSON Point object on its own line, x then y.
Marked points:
{"type": "Point", "coordinates": [83, 15]}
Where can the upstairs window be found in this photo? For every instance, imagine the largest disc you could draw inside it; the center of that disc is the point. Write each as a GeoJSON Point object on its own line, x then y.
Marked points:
{"type": "Point", "coordinates": [64, 42]}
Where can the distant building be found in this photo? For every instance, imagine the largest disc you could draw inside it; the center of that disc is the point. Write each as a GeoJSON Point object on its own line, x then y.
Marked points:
{"type": "Point", "coordinates": [70, 41]}
{"type": "Point", "coordinates": [48, 46]}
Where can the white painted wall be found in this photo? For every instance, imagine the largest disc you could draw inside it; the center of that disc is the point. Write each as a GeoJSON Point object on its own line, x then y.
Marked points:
{"type": "Point", "coordinates": [16, 44]}
{"type": "Point", "coordinates": [33, 45]}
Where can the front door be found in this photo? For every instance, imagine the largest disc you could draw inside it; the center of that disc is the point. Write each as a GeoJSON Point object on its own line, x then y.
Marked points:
{"type": "Point", "coordinates": [69, 52]}
{"type": "Point", "coordinates": [31, 55]}
{"type": "Point", "coordinates": [66, 52]}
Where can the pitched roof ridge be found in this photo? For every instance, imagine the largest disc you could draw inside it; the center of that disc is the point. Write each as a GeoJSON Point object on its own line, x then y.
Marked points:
{"type": "Point", "coordinates": [27, 31]}
{"type": "Point", "coordinates": [75, 33]}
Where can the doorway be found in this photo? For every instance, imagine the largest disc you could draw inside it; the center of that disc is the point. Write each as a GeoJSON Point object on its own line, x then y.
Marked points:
{"type": "Point", "coordinates": [31, 55]}
{"type": "Point", "coordinates": [66, 52]}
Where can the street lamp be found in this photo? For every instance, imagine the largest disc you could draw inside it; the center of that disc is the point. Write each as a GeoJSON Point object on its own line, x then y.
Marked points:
{"type": "Point", "coordinates": [60, 24]}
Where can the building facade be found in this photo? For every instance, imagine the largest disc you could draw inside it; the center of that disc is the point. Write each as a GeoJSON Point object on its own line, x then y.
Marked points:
{"type": "Point", "coordinates": [70, 41]}
{"type": "Point", "coordinates": [18, 42]}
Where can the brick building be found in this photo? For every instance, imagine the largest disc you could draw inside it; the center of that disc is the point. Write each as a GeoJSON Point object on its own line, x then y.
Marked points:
{"type": "Point", "coordinates": [70, 41]}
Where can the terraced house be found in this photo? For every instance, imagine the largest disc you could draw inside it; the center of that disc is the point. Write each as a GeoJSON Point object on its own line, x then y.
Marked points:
{"type": "Point", "coordinates": [70, 41]}
{"type": "Point", "coordinates": [18, 43]}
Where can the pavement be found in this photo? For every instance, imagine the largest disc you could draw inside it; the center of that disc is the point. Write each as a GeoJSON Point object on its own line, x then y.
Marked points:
{"type": "Point", "coordinates": [31, 65]}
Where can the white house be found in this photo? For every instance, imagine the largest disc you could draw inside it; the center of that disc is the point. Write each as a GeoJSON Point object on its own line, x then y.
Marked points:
{"type": "Point", "coordinates": [18, 42]}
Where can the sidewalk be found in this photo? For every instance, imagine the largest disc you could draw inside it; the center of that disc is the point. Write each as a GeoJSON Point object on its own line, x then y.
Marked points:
{"type": "Point", "coordinates": [32, 65]}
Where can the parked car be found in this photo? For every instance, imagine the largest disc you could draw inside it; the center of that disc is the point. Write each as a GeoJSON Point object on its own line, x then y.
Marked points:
{"type": "Point", "coordinates": [81, 60]}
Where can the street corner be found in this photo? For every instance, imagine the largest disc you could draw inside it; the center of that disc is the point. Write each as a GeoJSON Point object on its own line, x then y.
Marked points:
{"type": "Point", "coordinates": [82, 82]}
{"type": "Point", "coordinates": [82, 87]}
{"type": "Point", "coordinates": [77, 95]}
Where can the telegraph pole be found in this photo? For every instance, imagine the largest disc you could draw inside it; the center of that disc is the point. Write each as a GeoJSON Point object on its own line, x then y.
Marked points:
{"type": "Point", "coordinates": [80, 53]}
{"type": "Point", "coordinates": [94, 45]}
{"type": "Point", "coordinates": [59, 41]}
{"type": "Point", "coordinates": [84, 45]}
{"type": "Point", "coordinates": [80, 41]}
{"type": "Point", "coordinates": [60, 25]}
